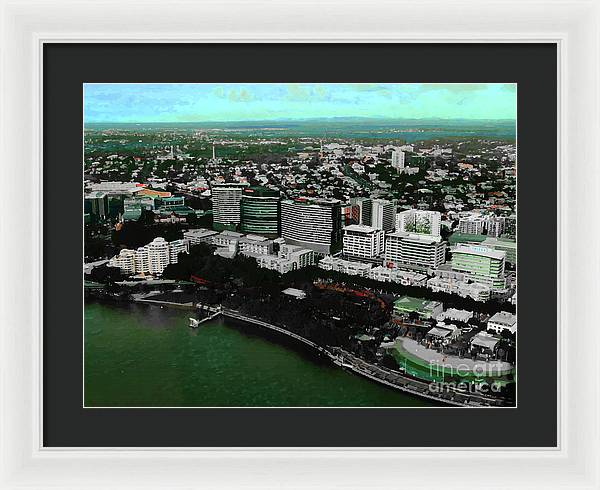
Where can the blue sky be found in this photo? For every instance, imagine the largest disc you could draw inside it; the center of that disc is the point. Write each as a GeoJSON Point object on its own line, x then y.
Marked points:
{"type": "Point", "coordinates": [211, 102]}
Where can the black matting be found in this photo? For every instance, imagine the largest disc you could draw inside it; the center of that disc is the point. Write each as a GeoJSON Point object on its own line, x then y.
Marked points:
{"type": "Point", "coordinates": [532, 66]}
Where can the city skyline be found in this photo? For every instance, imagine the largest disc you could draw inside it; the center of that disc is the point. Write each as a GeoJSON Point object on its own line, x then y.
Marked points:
{"type": "Point", "coordinates": [237, 102]}
{"type": "Point", "coordinates": [385, 246]}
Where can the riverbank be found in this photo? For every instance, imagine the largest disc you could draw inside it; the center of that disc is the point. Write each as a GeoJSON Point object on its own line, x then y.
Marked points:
{"type": "Point", "coordinates": [447, 394]}
{"type": "Point", "coordinates": [138, 355]}
{"type": "Point", "coordinates": [392, 379]}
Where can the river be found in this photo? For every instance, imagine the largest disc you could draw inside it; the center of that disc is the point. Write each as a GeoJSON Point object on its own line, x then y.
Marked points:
{"type": "Point", "coordinates": [146, 356]}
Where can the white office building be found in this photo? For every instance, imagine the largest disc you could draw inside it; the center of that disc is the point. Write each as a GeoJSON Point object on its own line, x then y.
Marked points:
{"type": "Point", "coordinates": [227, 239]}
{"type": "Point", "coordinates": [410, 250]}
{"type": "Point", "coordinates": [199, 235]}
{"type": "Point", "coordinates": [254, 244]}
{"type": "Point", "coordinates": [419, 222]}
{"type": "Point", "coordinates": [289, 258]}
{"type": "Point", "coordinates": [362, 241]}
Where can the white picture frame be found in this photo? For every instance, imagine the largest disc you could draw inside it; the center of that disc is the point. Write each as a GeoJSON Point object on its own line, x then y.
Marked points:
{"type": "Point", "coordinates": [573, 25]}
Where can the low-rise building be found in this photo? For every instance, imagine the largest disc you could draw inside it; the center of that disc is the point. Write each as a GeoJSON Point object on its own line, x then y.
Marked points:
{"type": "Point", "coordinates": [442, 334]}
{"type": "Point", "coordinates": [255, 244]}
{"type": "Point", "coordinates": [484, 343]}
{"type": "Point", "coordinates": [455, 315]}
{"type": "Point", "coordinates": [502, 321]}
{"type": "Point", "coordinates": [227, 238]}
{"type": "Point", "coordinates": [406, 278]}
{"type": "Point", "coordinates": [330, 263]}
{"type": "Point", "coordinates": [289, 258]}
{"type": "Point", "coordinates": [199, 235]}
{"type": "Point", "coordinates": [460, 287]}
{"type": "Point", "coordinates": [424, 308]}
{"type": "Point", "coordinates": [294, 293]}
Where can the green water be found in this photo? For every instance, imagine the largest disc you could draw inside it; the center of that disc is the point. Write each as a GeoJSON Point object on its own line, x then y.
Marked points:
{"type": "Point", "coordinates": [141, 355]}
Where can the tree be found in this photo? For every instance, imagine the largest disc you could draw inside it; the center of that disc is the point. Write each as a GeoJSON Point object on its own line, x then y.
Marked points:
{"type": "Point", "coordinates": [106, 275]}
{"type": "Point", "coordinates": [146, 218]}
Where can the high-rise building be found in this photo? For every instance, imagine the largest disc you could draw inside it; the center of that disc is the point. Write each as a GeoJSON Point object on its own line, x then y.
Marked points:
{"type": "Point", "coordinates": [419, 222]}
{"type": "Point", "coordinates": [260, 211]}
{"type": "Point", "coordinates": [363, 242]}
{"type": "Point", "coordinates": [384, 215]}
{"type": "Point", "coordinates": [480, 264]}
{"type": "Point", "coordinates": [510, 226]}
{"type": "Point", "coordinates": [142, 260]}
{"type": "Point", "coordinates": [472, 225]}
{"type": "Point", "coordinates": [507, 245]}
{"type": "Point", "coordinates": [96, 204]}
{"type": "Point", "coordinates": [365, 206]}
{"type": "Point", "coordinates": [152, 258]}
{"type": "Point", "coordinates": [414, 251]}
{"type": "Point", "coordinates": [124, 261]}
{"type": "Point", "coordinates": [158, 255]}
{"type": "Point", "coordinates": [226, 199]}
{"type": "Point", "coordinates": [350, 214]}
{"type": "Point", "coordinates": [176, 247]}
{"type": "Point", "coordinates": [495, 226]}
{"type": "Point", "coordinates": [313, 224]}
{"type": "Point", "coordinates": [398, 159]}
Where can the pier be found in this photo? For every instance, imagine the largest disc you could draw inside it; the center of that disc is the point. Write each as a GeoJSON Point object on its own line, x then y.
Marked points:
{"type": "Point", "coordinates": [214, 315]}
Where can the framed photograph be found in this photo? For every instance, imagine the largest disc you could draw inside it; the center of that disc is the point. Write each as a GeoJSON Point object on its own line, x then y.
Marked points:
{"type": "Point", "coordinates": [258, 248]}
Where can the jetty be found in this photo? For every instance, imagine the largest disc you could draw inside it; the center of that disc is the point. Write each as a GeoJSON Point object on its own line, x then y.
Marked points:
{"type": "Point", "coordinates": [194, 323]}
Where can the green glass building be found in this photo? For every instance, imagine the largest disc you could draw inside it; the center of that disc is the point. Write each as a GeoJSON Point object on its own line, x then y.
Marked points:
{"type": "Point", "coordinates": [260, 211]}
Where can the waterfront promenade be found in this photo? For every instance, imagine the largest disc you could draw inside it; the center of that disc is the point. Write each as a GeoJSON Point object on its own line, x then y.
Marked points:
{"type": "Point", "coordinates": [394, 379]}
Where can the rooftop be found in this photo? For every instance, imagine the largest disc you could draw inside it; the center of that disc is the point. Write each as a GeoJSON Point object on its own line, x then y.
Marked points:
{"type": "Point", "coordinates": [427, 239]}
{"type": "Point", "coordinates": [453, 313]}
{"type": "Point", "coordinates": [233, 234]}
{"type": "Point", "coordinates": [360, 228]}
{"type": "Point", "coordinates": [504, 318]}
{"type": "Point", "coordinates": [200, 232]}
{"type": "Point", "coordinates": [479, 250]}
{"type": "Point", "coordinates": [297, 293]}
{"type": "Point", "coordinates": [439, 332]}
{"type": "Point", "coordinates": [96, 195]}
{"type": "Point", "coordinates": [258, 191]}
{"type": "Point", "coordinates": [408, 302]}
{"type": "Point", "coordinates": [484, 339]}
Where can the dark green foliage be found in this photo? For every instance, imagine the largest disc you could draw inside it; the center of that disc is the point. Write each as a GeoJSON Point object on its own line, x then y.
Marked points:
{"type": "Point", "coordinates": [136, 234]}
